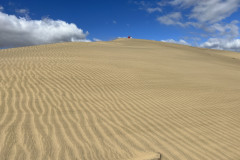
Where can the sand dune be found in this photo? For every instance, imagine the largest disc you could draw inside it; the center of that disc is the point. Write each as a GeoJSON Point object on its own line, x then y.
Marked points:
{"type": "Point", "coordinates": [124, 99]}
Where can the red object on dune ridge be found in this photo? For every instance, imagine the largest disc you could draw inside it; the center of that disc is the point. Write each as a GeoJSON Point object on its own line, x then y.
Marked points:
{"type": "Point", "coordinates": [129, 37]}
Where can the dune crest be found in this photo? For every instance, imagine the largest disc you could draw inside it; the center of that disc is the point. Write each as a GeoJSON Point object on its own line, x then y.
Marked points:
{"type": "Point", "coordinates": [123, 99]}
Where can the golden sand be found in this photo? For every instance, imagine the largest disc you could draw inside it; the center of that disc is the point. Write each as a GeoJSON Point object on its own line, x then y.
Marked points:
{"type": "Point", "coordinates": [124, 99]}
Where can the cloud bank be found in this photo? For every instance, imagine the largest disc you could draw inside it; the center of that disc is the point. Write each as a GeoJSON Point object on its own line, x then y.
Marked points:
{"type": "Point", "coordinates": [222, 44]}
{"type": "Point", "coordinates": [22, 31]}
{"type": "Point", "coordinates": [181, 41]}
{"type": "Point", "coordinates": [208, 17]}
{"type": "Point", "coordinates": [208, 10]}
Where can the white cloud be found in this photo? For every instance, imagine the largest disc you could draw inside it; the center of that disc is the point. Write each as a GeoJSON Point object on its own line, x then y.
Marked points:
{"type": "Point", "coordinates": [171, 19]}
{"type": "Point", "coordinates": [222, 44]}
{"type": "Point", "coordinates": [140, 3]}
{"type": "Point", "coordinates": [181, 41]}
{"type": "Point", "coordinates": [151, 10]}
{"type": "Point", "coordinates": [1, 8]}
{"type": "Point", "coordinates": [96, 39]}
{"type": "Point", "coordinates": [183, 3]}
{"type": "Point", "coordinates": [214, 10]}
{"type": "Point", "coordinates": [208, 16]}
{"type": "Point", "coordinates": [147, 6]}
{"type": "Point", "coordinates": [162, 3]}
{"type": "Point", "coordinates": [16, 31]}
{"type": "Point", "coordinates": [82, 40]}
{"type": "Point", "coordinates": [206, 11]}
{"type": "Point", "coordinates": [228, 34]}
{"type": "Point", "coordinates": [22, 11]}
{"type": "Point", "coordinates": [121, 37]}
{"type": "Point", "coordinates": [230, 30]}
{"type": "Point", "coordinates": [175, 18]}
{"type": "Point", "coordinates": [210, 11]}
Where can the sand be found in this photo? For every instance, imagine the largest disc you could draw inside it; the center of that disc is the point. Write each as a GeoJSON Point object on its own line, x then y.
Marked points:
{"type": "Point", "coordinates": [123, 99]}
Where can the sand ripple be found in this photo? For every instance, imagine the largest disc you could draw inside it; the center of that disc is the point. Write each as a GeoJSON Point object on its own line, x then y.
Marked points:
{"type": "Point", "coordinates": [125, 99]}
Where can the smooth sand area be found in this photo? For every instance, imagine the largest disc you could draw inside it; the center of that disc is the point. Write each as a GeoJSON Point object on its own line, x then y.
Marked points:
{"type": "Point", "coordinates": [123, 99]}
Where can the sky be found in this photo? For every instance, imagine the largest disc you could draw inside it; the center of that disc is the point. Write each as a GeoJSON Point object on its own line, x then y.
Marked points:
{"type": "Point", "coordinates": [201, 23]}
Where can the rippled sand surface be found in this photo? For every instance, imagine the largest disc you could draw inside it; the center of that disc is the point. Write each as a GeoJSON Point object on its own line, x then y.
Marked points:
{"type": "Point", "coordinates": [123, 99]}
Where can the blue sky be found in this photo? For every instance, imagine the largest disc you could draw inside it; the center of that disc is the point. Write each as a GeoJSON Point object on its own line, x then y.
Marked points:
{"type": "Point", "coordinates": [205, 23]}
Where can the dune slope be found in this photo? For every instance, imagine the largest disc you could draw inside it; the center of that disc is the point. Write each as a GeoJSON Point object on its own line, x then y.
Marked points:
{"type": "Point", "coordinates": [124, 99]}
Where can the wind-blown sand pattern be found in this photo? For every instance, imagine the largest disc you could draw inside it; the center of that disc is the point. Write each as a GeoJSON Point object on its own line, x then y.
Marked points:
{"type": "Point", "coordinates": [124, 99]}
